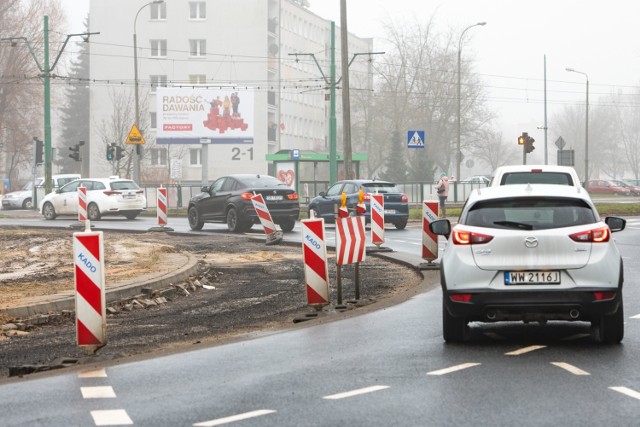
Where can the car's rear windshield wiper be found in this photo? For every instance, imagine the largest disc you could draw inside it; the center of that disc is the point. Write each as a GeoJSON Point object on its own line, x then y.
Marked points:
{"type": "Point", "coordinates": [513, 224]}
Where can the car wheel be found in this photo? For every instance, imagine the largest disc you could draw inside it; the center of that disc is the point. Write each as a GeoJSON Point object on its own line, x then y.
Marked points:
{"type": "Point", "coordinates": [287, 225]}
{"type": "Point", "coordinates": [194, 219]}
{"type": "Point", "coordinates": [131, 215]}
{"type": "Point", "coordinates": [401, 225]}
{"type": "Point", "coordinates": [453, 328]}
{"type": "Point", "coordinates": [48, 211]}
{"type": "Point", "coordinates": [233, 222]}
{"type": "Point", "coordinates": [27, 204]}
{"type": "Point", "coordinates": [93, 212]}
{"type": "Point", "coordinates": [611, 327]}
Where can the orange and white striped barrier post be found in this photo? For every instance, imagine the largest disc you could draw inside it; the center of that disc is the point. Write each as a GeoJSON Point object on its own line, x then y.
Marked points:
{"type": "Point", "coordinates": [350, 248]}
{"type": "Point", "coordinates": [91, 323]}
{"type": "Point", "coordinates": [376, 201]}
{"type": "Point", "coordinates": [161, 211]}
{"type": "Point", "coordinates": [316, 269]}
{"type": "Point", "coordinates": [273, 235]}
{"type": "Point", "coordinates": [82, 203]}
{"type": "Point", "coordinates": [430, 211]}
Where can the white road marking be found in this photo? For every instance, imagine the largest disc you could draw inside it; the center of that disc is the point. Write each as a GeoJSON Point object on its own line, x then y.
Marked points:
{"type": "Point", "coordinates": [356, 392]}
{"type": "Point", "coordinates": [525, 350]}
{"type": "Point", "coordinates": [234, 418]}
{"type": "Point", "coordinates": [570, 368]}
{"type": "Point", "coordinates": [453, 369]}
{"type": "Point", "coordinates": [637, 316]}
{"type": "Point", "coordinates": [113, 417]}
{"type": "Point", "coordinates": [96, 373]}
{"type": "Point", "coordinates": [97, 392]}
{"type": "Point", "coordinates": [627, 391]}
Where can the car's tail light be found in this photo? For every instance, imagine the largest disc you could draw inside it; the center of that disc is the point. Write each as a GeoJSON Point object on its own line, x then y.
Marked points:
{"type": "Point", "coordinates": [460, 297]}
{"type": "Point", "coordinates": [602, 296]}
{"type": "Point", "coordinates": [112, 192]}
{"type": "Point", "coordinates": [598, 235]}
{"type": "Point", "coordinates": [247, 196]}
{"type": "Point", "coordinates": [292, 196]}
{"type": "Point", "coordinates": [405, 199]}
{"type": "Point", "coordinates": [463, 237]}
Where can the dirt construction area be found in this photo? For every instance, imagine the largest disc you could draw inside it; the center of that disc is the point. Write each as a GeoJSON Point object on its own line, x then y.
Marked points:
{"type": "Point", "coordinates": [237, 287]}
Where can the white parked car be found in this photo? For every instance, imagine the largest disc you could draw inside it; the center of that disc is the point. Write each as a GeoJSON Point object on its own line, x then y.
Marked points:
{"type": "Point", "coordinates": [23, 199]}
{"type": "Point", "coordinates": [109, 196]}
{"type": "Point", "coordinates": [477, 179]}
{"type": "Point", "coordinates": [531, 253]}
{"type": "Point", "coordinates": [535, 174]}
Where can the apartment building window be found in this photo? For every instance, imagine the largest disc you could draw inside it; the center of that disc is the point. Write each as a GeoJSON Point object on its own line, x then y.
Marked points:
{"type": "Point", "coordinates": [195, 156]}
{"type": "Point", "coordinates": [158, 48]}
{"type": "Point", "coordinates": [197, 79]}
{"type": "Point", "coordinates": [157, 81]}
{"type": "Point", "coordinates": [154, 120]}
{"type": "Point", "coordinates": [158, 156]}
{"type": "Point", "coordinates": [197, 10]}
{"type": "Point", "coordinates": [158, 11]}
{"type": "Point", "coordinates": [198, 47]}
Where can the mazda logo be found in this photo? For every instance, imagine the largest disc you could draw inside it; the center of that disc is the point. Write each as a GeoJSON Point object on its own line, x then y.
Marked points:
{"type": "Point", "coordinates": [531, 242]}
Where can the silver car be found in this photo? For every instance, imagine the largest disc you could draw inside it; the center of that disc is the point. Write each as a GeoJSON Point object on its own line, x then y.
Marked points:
{"type": "Point", "coordinates": [532, 253]}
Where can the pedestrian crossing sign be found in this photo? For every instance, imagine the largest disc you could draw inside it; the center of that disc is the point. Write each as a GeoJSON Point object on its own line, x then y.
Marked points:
{"type": "Point", "coordinates": [415, 139]}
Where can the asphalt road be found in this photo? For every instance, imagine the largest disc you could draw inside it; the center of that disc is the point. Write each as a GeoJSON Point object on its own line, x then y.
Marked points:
{"type": "Point", "coordinates": [389, 367]}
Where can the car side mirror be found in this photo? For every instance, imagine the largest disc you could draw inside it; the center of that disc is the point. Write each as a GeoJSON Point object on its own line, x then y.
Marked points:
{"type": "Point", "coordinates": [322, 194]}
{"type": "Point", "coordinates": [615, 223]}
{"type": "Point", "coordinates": [441, 227]}
{"type": "Point", "coordinates": [204, 189]}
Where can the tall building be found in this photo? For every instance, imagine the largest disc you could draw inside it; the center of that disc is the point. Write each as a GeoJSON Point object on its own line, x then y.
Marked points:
{"type": "Point", "coordinates": [195, 59]}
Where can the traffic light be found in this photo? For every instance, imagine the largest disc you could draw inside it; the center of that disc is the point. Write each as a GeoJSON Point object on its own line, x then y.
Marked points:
{"type": "Point", "coordinates": [111, 151]}
{"type": "Point", "coordinates": [119, 154]}
{"type": "Point", "coordinates": [75, 152]}
{"type": "Point", "coordinates": [39, 150]}
{"type": "Point", "coordinates": [528, 147]}
{"type": "Point", "coordinates": [522, 139]}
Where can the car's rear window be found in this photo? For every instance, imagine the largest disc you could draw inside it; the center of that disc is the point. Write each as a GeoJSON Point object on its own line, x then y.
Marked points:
{"type": "Point", "coordinates": [259, 181]}
{"type": "Point", "coordinates": [380, 187]}
{"type": "Point", "coordinates": [531, 213]}
{"type": "Point", "coordinates": [123, 185]}
{"type": "Point", "coordinates": [557, 178]}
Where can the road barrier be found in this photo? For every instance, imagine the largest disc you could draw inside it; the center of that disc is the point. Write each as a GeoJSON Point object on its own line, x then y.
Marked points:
{"type": "Point", "coordinates": [82, 203]}
{"type": "Point", "coordinates": [376, 202]}
{"type": "Point", "coordinates": [350, 249]}
{"type": "Point", "coordinates": [429, 240]}
{"type": "Point", "coordinates": [316, 269]}
{"type": "Point", "coordinates": [273, 235]}
{"type": "Point", "coordinates": [161, 211]}
{"type": "Point", "coordinates": [88, 255]}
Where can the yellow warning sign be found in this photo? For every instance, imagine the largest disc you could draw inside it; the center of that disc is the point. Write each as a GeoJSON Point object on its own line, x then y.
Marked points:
{"type": "Point", "coordinates": [134, 137]}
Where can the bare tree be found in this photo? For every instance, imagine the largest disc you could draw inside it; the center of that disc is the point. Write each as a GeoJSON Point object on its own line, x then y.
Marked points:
{"type": "Point", "coordinates": [494, 151]}
{"type": "Point", "coordinates": [627, 119]}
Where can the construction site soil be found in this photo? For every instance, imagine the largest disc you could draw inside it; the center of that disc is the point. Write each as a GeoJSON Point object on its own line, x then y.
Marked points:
{"type": "Point", "coordinates": [241, 288]}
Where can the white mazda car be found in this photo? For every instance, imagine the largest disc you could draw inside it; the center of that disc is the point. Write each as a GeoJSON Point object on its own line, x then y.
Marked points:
{"type": "Point", "coordinates": [531, 252]}
{"type": "Point", "coordinates": [107, 196]}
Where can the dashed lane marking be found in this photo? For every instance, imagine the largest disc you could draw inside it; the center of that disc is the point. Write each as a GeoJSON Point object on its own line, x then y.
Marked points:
{"type": "Point", "coordinates": [234, 418]}
{"type": "Point", "coordinates": [102, 392]}
{"type": "Point", "coordinates": [113, 417]}
{"type": "Point", "coordinates": [356, 392]}
{"type": "Point", "coordinates": [453, 369]}
{"type": "Point", "coordinates": [570, 368]}
{"type": "Point", "coordinates": [525, 350]}
{"type": "Point", "coordinates": [627, 391]}
{"type": "Point", "coordinates": [637, 316]}
{"type": "Point", "coordinates": [96, 373]}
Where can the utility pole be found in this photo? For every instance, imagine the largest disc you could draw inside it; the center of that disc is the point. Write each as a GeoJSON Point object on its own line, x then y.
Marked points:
{"type": "Point", "coordinates": [346, 102]}
{"type": "Point", "coordinates": [46, 74]}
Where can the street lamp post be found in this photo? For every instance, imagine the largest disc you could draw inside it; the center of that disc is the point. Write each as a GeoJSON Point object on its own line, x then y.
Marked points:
{"type": "Point", "coordinates": [458, 152]}
{"type": "Point", "coordinates": [136, 162]}
{"type": "Point", "coordinates": [586, 129]}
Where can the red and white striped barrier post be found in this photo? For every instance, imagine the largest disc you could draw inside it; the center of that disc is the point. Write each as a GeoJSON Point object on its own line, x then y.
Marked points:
{"type": "Point", "coordinates": [82, 203]}
{"type": "Point", "coordinates": [316, 269]}
{"type": "Point", "coordinates": [350, 248]}
{"type": "Point", "coordinates": [376, 202]}
{"type": "Point", "coordinates": [161, 211]}
{"type": "Point", "coordinates": [273, 236]}
{"type": "Point", "coordinates": [429, 240]}
{"type": "Point", "coordinates": [91, 323]}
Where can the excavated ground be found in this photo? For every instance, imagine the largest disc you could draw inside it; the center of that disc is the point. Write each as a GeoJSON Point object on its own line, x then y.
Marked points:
{"type": "Point", "coordinates": [241, 287]}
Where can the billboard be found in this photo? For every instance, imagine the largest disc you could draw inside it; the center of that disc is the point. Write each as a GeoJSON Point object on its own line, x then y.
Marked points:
{"type": "Point", "coordinates": [187, 115]}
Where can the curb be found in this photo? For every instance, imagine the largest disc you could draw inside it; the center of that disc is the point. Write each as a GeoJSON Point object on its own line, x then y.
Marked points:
{"type": "Point", "coordinates": [59, 303]}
